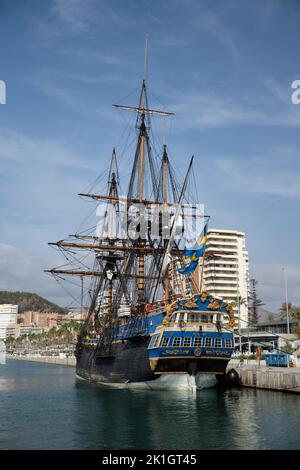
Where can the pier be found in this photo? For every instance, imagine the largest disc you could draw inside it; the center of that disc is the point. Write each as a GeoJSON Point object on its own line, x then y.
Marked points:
{"type": "Point", "coordinates": [62, 361]}
{"type": "Point", "coordinates": [256, 375]}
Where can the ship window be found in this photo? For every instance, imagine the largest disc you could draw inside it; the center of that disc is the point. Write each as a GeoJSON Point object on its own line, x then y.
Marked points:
{"type": "Point", "coordinates": [193, 317]}
{"type": "Point", "coordinates": [228, 343]}
{"type": "Point", "coordinates": [218, 342]}
{"type": "Point", "coordinates": [208, 342]}
{"type": "Point", "coordinates": [187, 341]}
{"type": "Point", "coordinates": [154, 341]}
{"type": "Point", "coordinates": [204, 318]}
{"type": "Point", "coordinates": [197, 342]}
{"type": "Point", "coordinates": [176, 342]}
{"type": "Point", "coordinates": [181, 317]}
{"type": "Point", "coordinates": [165, 341]}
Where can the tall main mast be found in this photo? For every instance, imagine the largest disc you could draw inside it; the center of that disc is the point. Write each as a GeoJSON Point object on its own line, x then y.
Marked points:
{"type": "Point", "coordinates": [143, 161]}
{"type": "Point", "coordinates": [113, 192]}
{"type": "Point", "coordinates": [143, 134]}
{"type": "Point", "coordinates": [165, 197]}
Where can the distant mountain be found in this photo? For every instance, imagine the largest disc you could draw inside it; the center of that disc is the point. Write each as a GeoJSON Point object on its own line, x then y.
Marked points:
{"type": "Point", "coordinates": [266, 316]}
{"type": "Point", "coordinates": [29, 301]}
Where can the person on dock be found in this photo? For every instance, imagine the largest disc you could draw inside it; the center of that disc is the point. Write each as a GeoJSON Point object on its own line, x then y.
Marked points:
{"type": "Point", "coordinates": [258, 354]}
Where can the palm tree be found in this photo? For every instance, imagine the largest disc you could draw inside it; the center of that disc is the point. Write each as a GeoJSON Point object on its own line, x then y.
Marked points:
{"type": "Point", "coordinates": [283, 310]}
{"type": "Point", "coordinates": [293, 311]}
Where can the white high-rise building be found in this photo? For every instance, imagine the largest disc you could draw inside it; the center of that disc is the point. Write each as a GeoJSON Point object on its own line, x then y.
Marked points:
{"type": "Point", "coordinates": [8, 315]}
{"type": "Point", "coordinates": [226, 274]}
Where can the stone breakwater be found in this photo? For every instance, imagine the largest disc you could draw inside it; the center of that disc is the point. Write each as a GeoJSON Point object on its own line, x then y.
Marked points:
{"type": "Point", "coordinates": [62, 361]}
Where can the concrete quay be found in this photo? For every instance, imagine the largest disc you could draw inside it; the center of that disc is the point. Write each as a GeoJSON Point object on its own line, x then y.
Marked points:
{"type": "Point", "coordinates": [62, 361]}
{"type": "Point", "coordinates": [254, 375]}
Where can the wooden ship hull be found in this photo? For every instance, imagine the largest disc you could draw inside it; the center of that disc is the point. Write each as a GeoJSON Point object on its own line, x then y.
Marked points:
{"type": "Point", "coordinates": [169, 354]}
{"type": "Point", "coordinates": [128, 364]}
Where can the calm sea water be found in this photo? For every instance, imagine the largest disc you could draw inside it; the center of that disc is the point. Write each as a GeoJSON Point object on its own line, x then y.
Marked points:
{"type": "Point", "coordinates": [44, 407]}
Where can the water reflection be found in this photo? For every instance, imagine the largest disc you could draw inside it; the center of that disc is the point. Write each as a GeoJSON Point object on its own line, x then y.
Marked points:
{"type": "Point", "coordinates": [43, 406]}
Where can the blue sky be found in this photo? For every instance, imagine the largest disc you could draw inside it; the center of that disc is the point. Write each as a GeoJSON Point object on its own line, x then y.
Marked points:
{"type": "Point", "coordinates": [224, 68]}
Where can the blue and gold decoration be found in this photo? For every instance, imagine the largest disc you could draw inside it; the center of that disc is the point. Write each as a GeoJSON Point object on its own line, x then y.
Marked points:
{"type": "Point", "coordinates": [192, 330]}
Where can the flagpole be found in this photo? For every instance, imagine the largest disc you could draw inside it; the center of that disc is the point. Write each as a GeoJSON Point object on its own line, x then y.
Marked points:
{"type": "Point", "coordinates": [202, 267]}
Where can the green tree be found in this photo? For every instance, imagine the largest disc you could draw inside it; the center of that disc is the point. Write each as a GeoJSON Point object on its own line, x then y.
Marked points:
{"type": "Point", "coordinates": [288, 348]}
{"type": "Point", "coordinates": [239, 300]}
{"type": "Point", "coordinates": [254, 303]}
{"type": "Point", "coordinates": [293, 311]}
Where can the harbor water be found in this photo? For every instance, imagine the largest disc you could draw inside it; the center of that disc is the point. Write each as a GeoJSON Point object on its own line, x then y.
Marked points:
{"type": "Point", "coordinates": [43, 406]}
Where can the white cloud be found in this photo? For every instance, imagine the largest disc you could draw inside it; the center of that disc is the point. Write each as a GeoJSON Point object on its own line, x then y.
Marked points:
{"type": "Point", "coordinates": [271, 286]}
{"type": "Point", "coordinates": [40, 181]}
{"type": "Point", "coordinates": [200, 16]}
{"type": "Point", "coordinates": [77, 97]}
{"type": "Point", "coordinates": [24, 271]}
{"type": "Point", "coordinates": [210, 109]}
{"type": "Point", "coordinates": [272, 174]}
{"type": "Point", "coordinates": [76, 15]}
{"type": "Point", "coordinates": [22, 149]}
{"type": "Point", "coordinates": [75, 18]}
{"type": "Point", "coordinates": [212, 22]}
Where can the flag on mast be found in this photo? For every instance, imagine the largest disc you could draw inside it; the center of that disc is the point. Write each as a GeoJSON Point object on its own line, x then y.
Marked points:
{"type": "Point", "coordinates": [194, 253]}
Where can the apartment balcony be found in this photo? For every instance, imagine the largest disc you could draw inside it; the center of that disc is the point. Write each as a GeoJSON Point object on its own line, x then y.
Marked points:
{"type": "Point", "coordinates": [232, 292]}
{"type": "Point", "coordinates": [222, 249]}
{"type": "Point", "coordinates": [214, 273]}
{"type": "Point", "coordinates": [222, 244]}
{"type": "Point", "coordinates": [221, 280]}
{"type": "Point", "coordinates": [211, 271]}
{"type": "Point", "coordinates": [222, 288]}
{"type": "Point", "coordinates": [226, 262]}
{"type": "Point", "coordinates": [220, 275]}
{"type": "Point", "coordinates": [226, 234]}
{"type": "Point", "coordinates": [224, 252]}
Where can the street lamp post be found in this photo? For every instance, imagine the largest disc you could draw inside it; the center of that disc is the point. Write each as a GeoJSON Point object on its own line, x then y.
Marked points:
{"type": "Point", "coordinates": [286, 303]}
{"type": "Point", "coordinates": [239, 323]}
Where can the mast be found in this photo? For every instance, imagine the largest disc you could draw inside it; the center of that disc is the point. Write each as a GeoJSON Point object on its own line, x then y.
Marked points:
{"type": "Point", "coordinates": [143, 182]}
{"type": "Point", "coordinates": [141, 258]}
{"type": "Point", "coordinates": [111, 222]}
{"type": "Point", "coordinates": [165, 199]}
{"type": "Point", "coordinates": [107, 261]}
{"type": "Point", "coordinates": [168, 248]}
{"type": "Point", "coordinates": [127, 267]}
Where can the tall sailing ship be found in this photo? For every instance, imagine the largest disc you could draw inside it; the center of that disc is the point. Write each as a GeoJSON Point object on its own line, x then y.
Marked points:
{"type": "Point", "coordinates": [149, 324]}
